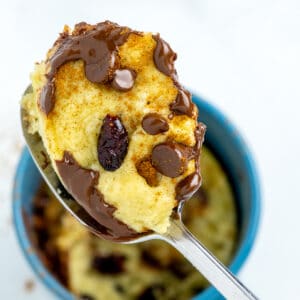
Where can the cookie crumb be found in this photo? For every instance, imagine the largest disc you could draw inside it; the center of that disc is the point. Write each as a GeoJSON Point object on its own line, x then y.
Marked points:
{"type": "Point", "coordinates": [29, 285]}
{"type": "Point", "coordinates": [146, 170]}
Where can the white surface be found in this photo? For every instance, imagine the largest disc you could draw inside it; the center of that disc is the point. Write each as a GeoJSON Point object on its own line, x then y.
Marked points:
{"type": "Point", "coordinates": [243, 56]}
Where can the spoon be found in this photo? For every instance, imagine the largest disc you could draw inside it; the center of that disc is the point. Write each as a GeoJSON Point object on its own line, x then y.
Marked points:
{"type": "Point", "coordinates": [177, 235]}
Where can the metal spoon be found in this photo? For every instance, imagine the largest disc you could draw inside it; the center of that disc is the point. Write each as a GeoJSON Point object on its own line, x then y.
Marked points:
{"type": "Point", "coordinates": [177, 235]}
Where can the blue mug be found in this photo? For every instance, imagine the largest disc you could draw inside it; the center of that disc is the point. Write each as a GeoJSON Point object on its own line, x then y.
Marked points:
{"type": "Point", "coordinates": [225, 141]}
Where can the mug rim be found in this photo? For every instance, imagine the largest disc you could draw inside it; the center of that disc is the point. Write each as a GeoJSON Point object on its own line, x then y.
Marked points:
{"type": "Point", "coordinates": [243, 249]}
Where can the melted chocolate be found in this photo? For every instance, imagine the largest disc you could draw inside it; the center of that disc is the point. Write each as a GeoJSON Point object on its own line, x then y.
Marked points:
{"type": "Point", "coordinates": [190, 184]}
{"type": "Point", "coordinates": [183, 104]}
{"type": "Point", "coordinates": [170, 158]}
{"type": "Point", "coordinates": [164, 57]}
{"type": "Point", "coordinates": [81, 184]}
{"type": "Point", "coordinates": [154, 123]}
{"type": "Point", "coordinates": [97, 47]}
{"type": "Point", "coordinates": [123, 80]}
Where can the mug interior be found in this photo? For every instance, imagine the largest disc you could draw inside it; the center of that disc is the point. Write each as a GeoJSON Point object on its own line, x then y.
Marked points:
{"type": "Point", "coordinates": [222, 139]}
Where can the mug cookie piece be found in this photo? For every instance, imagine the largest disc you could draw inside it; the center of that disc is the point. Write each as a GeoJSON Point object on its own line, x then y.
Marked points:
{"type": "Point", "coordinates": [121, 132]}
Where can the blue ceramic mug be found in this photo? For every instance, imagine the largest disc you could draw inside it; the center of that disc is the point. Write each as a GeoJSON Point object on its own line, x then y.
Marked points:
{"type": "Point", "coordinates": [226, 143]}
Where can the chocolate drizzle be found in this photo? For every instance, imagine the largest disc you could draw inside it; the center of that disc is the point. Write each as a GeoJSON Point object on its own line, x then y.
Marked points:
{"type": "Point", "coordinates": [164, 58]}
{"type": "Point", "coordinates": [190, 184]}
{"type": "Point", "coordinates": [97, 46]}
{"type": "Point", "coordinates": [81, 184]}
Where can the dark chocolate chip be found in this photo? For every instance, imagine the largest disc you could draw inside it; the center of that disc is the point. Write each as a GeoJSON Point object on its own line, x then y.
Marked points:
{"type": "Point", "coordinates": [86, 297]}
{"type": "Point", "coordinates": [38, 210]}
{"type": "Point", "coordinates": [181, 269]}
{"type": "Point", "coordinates": [109, 264]}
{"type": "Point", "coordinates": [42, 237]}
{"type": "Point", "coordinates": [151, 260]}
{"type": "Point", "coordinates": [112, 143]}
{"type": "Point", "coordinates": [164, 57]}
{"type": "Point", "coordinates": [197, 290]}
{"type": "Point", "coordinates": [123, 80]}
{"type": "Point", "coordinates": [169, 159]}
{"type": "Point", "coordinates": [41, 202]}
{"type": "Point", "coordinates": [154, 123]}
{"type": "Point", "coordinates": [183, 104]}
{"type": "Point", "coordinates": [153, 292]}
{"type": "Point", "coordinates": [119, 288]}
{"type": "Point", "coordinates": [188, 186]}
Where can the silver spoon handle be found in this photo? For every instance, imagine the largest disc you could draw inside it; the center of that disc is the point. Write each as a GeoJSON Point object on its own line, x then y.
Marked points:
{"type": "Point", "coordinates": [214, 271]}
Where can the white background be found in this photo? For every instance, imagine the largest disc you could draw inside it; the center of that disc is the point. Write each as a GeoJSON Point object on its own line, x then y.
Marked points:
{"type": "Point", "coordinates": [243, 56]}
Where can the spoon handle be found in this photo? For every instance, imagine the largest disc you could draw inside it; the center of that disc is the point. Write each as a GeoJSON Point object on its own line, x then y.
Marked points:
{"type": "Point", "coordinates": [214, 271]}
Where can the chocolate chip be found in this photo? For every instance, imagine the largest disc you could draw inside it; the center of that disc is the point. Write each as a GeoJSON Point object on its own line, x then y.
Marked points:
{"type": "Point", "coordinates": [181, 269]}
{"type": "Point", "coordinates": [164, 57]}
{"type": "Point", "coordinates": [150, 259]}
{"type": "Point", "coordinates": [86, 297]}
{"type": "Point", "coordinates": [123, 80]}
{"type": "Point", "coordinates": [38, 210]}
{"type": "Point", "coordinates": [146, 170]}
{"type": "Point", "coordinates": [40, 204]}
{"type": "Point", "coordinates": [112, 143]}
{"type": "Point", "coordinates": [154, 123]}
{"type": "Point", "coordinates": [169, 158]}
{"type": "Point", "coordinates": [119, 288]}
{"type": "Point", "coordinates": [188, 186]}
{"type": "Point", "coordinates": [153, 292]}
{"type": "Point", "coordinates": [183, 104]}
{"type": "Point", "coordinates": [109, 264]}
{"type": "Point", "coordinates": [42, 237]}
{"type": "Point", "coordinates": [197, 290]}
